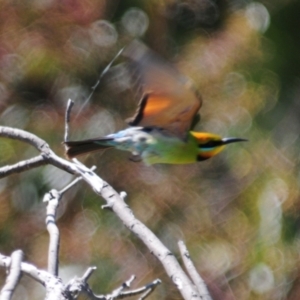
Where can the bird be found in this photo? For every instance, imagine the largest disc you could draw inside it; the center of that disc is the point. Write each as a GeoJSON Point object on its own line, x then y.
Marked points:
{"type": "Point", "coordinates": [161, 130]}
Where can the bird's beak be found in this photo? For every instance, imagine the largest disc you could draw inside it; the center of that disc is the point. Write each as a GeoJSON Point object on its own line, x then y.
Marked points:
{"type": "Point", "coordinates": [226, 141]}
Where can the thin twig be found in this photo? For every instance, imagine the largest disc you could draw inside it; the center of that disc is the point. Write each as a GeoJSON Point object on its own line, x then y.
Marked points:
{"type": "Point", "coordinates": [119, 291]}
{"type": "Point", "coordinates": [146, 290]}
{"type": "Point", "coordinates": [14, 275]}
{"type": "Point", "coordinates": [88, 273]}
{"type": "Point", "coordinates": [146, 294]}
{"type": "Point", "coordinates": [196, 278]}
{"type": "Point", "coordinates": [23, 165]}
{"type": "Point", "coordinates": [78, 285]}
{"type": "Point", "coordinates": [98, 82]}
{"type": "Point", "coordinates": [67, 119]}
{"type": "Point", "coordinates": [74, 182]}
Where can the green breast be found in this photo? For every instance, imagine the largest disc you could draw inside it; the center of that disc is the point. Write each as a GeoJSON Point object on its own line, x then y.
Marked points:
{"type": "Point", "coordinates": [170, 150]}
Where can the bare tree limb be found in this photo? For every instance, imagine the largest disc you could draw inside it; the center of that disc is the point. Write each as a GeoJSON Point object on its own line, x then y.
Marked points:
{"type": "Point", "coordinates": [29, 269]}
{"type": "Point", "coordinates": [88, 175]}
{"type": "Point", "coordinates": [146, 290]}
{"type": "Point", "coordinates": [54, 287]}
{"type": "Point", "coordinates": [53, 199]}
{"type": "Point", "coordinates": [77, 285]}
{"type": "Point", "coordinates": [56, 290]}
{"type": "Point", "coordinates": [67, 119]}
{"type": "Point", "coordinates": [24, 136]}
{"type": "Point", "coordinates": [119, 291]}
{"type": "Point", "coordinates": [156, 247]}
{"type": "Point", "coordinates": [14, 275]}
{"type": "Point", "coordinates": [197, 280]}
{"type": "Point", "coordinates": [118, 206]}
{"type": "Point", "coordinates": [47, 155]}
{"type": "Point", "coordinates": [23, 166]}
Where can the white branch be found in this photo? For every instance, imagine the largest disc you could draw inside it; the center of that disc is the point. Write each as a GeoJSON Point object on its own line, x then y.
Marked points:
{"type": "Point", "coordinates": [119, 291]}
{"type": "Point", "coordinates": [118, 206]}
{"type": "Point", "coordinates": [53, 199]}
{"type": "Point", "coordinates": [47, 155]}
{"type": "Point", "coordinates": [14, 275]}
{"type": "Point", "coordinates": [77, 285]}
{"type": "Point", "coordinates": [54, 286]}
{"type": "Point", "coordinates": [23, 166]}
{"type": "Point", "coordinates": [146, 290]}
{"type": "Point", "coordinates": [156, 247]}
{"type": "Point", "coordinates": [198, 281]}
{"type": "Point", "coordinates": [67, 119]}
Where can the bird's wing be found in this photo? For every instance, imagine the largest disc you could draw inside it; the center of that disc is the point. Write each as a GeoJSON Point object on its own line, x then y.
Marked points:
{"type": "Point", "coordinates": [169, 99]}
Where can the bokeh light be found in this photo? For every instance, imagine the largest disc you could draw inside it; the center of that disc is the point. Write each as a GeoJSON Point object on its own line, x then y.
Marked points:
{"type": "Point", "coordinates": [238, 213]}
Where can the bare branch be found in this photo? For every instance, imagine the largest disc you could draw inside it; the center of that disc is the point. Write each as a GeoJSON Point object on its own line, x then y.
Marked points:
{"type": "Point", "coordinates": [29, 269]}
{"type": "Point", "coordinates": [77, 285]}
{"type": "Point", "coordinates": [166, 257]}
{"type": "Point", "coordinates": [119, 291]}
{"type": "Point", "coordinates": [54, 286]}
{"type": "Point", "coordinates": [67, 119]}
{"type": "Point", "coordinates": [88, 175]}
{"type": "Point", "coordinates": [53, 199]}
{"type": "Point", "coordinates": [146, 290]}
{"type": "Point", "coordinates": [75, 181]}
{"type": "Point", "coordinates": [88, 273]}
{"type": "Point", "coordinates": [47, 155]}
{"type": "Point", "coordinates": [198, 281]}
{"type": "Point", "coordinates": [24, 136]}
{"type": "Point", "coordinates": [23, 166]}
{"type": "Point", "coordinates": [118, 206]}
{"type": "Point", "coordinates": [14, 275]}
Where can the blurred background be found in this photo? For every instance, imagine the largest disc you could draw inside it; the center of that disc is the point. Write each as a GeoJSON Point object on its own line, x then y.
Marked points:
{"type": "Point", "coordinates": [238, 212]}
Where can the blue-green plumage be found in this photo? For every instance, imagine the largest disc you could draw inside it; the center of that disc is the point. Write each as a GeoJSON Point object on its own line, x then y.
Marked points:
{"type": "Point", "coordinates": [160, 131]}
{"type": "Point", "coordinates": [155, 145]}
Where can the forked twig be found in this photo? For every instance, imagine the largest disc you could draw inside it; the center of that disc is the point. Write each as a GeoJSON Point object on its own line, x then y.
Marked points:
{"type": "Point", "coordinates": [53, 199]}
{"type": "Point", "coordinates": [14, 275]}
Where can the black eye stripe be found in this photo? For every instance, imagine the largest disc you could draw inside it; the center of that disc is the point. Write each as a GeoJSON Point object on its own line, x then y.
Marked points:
{"type": "Point", "coordinates": [211, 144]}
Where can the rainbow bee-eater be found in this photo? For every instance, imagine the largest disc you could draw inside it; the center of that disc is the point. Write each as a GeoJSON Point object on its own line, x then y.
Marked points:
{"type": "Point", "coordinates": [160, 130]}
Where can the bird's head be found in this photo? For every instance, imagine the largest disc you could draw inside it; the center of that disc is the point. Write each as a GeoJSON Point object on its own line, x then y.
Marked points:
{"type": "Point", "coordinates": [210, 144]}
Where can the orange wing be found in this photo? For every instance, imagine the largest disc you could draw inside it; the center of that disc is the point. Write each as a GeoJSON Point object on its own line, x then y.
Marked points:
{"type": "Point", "coordinates": [169, 100]}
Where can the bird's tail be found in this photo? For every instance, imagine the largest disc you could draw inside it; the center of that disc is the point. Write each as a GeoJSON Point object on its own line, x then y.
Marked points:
{"type": "Point", "coordinates": [75, 148]}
